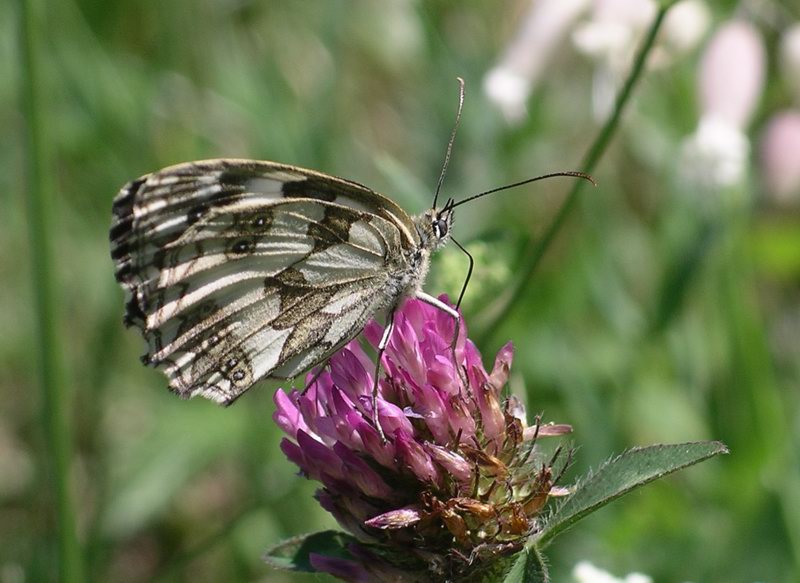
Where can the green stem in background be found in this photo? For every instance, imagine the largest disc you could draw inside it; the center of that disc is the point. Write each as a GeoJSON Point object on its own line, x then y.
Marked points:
{"type": "Point", "coordinates": [490, 319]}
{"type": "Point", "coordinates": [40, 226]}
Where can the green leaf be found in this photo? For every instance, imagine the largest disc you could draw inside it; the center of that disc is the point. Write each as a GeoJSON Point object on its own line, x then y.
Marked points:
{"type": "Point", "coordinates": [527, 566]}
{"type": "Point", "coordinates": [619, 476]}
{"type": "Point", "coordinates": [293, 554]}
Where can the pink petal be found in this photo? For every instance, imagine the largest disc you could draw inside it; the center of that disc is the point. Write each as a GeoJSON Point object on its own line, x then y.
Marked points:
{"type": "Point", "coordinates": [361, 475]}
{"type": "Point", "coordinates": [318, 455]}
{"type": "Point", "coordinates": [453, 464]}
{"type": "Point", "coordinates": [502, 366]}
{"type": "Point", "coordinates": [349, 375]}
{"type": "Point", "coordinates": [287, 415]}
{"type": "Point", "coordinates": [413, 456]}
{"type": "Point", "coordinates": [394, 519]}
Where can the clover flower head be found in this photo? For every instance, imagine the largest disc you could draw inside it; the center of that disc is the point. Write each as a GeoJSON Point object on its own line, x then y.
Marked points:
{"type": "Point", "coordinates": [458, 480]}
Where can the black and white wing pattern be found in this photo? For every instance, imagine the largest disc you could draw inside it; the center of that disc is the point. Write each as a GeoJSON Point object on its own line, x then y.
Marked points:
{"type": "Point", "coordinates": [239, 270]}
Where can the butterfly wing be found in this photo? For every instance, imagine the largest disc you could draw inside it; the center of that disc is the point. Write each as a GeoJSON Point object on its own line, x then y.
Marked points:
{"type": "Point", "coordinates": [240, 270]}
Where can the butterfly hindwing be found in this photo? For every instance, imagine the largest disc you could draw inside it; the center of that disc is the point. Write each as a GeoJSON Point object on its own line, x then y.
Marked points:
{"type": "Point", "coordinates": [242, 270]}
{"type": "Point", "coordinates": [243, 348]}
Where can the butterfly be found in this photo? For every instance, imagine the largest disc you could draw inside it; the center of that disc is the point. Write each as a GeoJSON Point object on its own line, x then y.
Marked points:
{"type": "Point", "coordinates": [240, 270]}
{"type": "Point", "coordinates": [243, 270]}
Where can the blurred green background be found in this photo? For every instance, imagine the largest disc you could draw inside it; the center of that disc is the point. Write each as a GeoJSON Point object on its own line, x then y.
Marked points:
{"type": "Point", "coordinates": [662, 313]}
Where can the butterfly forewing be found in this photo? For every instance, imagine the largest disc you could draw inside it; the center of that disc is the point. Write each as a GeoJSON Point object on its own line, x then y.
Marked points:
{"type": "Point", "coordinates": [240, 270]}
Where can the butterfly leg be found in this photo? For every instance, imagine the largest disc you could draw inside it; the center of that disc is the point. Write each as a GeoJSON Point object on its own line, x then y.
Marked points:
{"type": "Point", "coordinates": [453, 313]}
{"type": "Point", "coordinates": [320, 369]}
{"type": "Point", "coordinates": [387, 334]}
{"type": "Point", "coordinates": [439, 304]}
{"type": "Point", "coordinates": [469, 271]}
{"type": "Point", "coordinates": [461, 373]}
{"type": "Point", "coordinates": [463, 288]}
{"type": "Point", "coordinates": [317, 373]}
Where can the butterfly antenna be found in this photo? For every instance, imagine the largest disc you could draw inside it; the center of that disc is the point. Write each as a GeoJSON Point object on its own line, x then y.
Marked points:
{"type": "Point", "coordinates": [452, 139]}
{"type": "Point", "coordinates": [573, 174]}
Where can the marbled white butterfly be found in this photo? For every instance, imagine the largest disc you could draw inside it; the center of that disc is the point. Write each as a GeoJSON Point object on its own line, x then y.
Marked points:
{"type": "Point", "coordinates": [240, 270]}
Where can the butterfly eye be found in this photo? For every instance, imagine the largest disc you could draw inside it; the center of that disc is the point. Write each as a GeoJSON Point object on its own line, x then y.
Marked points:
{"type": "Point", "coordinates": [440, 228]}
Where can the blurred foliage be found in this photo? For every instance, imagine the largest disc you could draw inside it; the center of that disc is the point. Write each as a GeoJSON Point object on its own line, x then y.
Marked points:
{"type": "Point", "coordinates": [656, 316]}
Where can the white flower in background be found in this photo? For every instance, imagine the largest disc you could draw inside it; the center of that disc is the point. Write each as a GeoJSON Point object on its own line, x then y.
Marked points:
{"type": "Point", "coordinates": [730, 83]}
{"type": "Point", "coordinates": [715, 154]}
{"type": "Point", "coordinates": [790, 58]}
{"type": "Point", "coordinates": [510, 83]}
{"type": "Point", "coordinates": [685, 26]}
{"type": "Point", "coordinates": [615, 31]}
{"type": "Point", "coordinates": [610, 37]}
{"type": "Point", "coordinates": [780, 157]}
{"type": "Point", "coordinates": [585, 572]}
{"type": "Point", "coordinates": [615, 26]}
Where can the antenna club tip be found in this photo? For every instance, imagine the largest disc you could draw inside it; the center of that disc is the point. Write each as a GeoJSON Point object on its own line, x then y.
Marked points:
{"type": "Point", "coordinates": [585, 175]}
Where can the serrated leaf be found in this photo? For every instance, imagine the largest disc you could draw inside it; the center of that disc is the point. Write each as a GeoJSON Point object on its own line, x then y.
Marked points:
{"type": "Point", "coordinates": [622, 474]}
{"type": "Point", "coordinates": [294, 554]}
{"type": "Point", "coordinates": [528, 567]}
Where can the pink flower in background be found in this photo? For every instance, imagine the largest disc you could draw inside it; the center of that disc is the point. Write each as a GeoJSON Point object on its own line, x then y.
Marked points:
{"type": "Point", "coordinates": [458, 479]}
{"type": "Point", "coordinates": [732, 73]}
{"type": "Point", "coordinates": [780, 157]}
{"type": "Point", "coordinates": [780, 141]}
{"type": "Point", "coordinates": [730, 83]}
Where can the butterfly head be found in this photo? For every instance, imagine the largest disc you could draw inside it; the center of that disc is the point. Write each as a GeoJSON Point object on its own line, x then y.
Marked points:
{"type": "Point", "coordinates": [434, 226]}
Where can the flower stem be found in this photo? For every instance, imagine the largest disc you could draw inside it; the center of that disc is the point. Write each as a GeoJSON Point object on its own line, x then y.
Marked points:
{"type": "Point", "coordinates": [490, 319]}
{"type": "Point", "coordinates": [40, 227]}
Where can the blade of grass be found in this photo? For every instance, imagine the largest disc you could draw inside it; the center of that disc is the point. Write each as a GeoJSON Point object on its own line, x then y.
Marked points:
{"type": "Point", "coordinates": [489, 320]}
{"type": "Point", "coordinates": [40, 228]}
{"type": "Point", "coordinates": [757, 387]}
